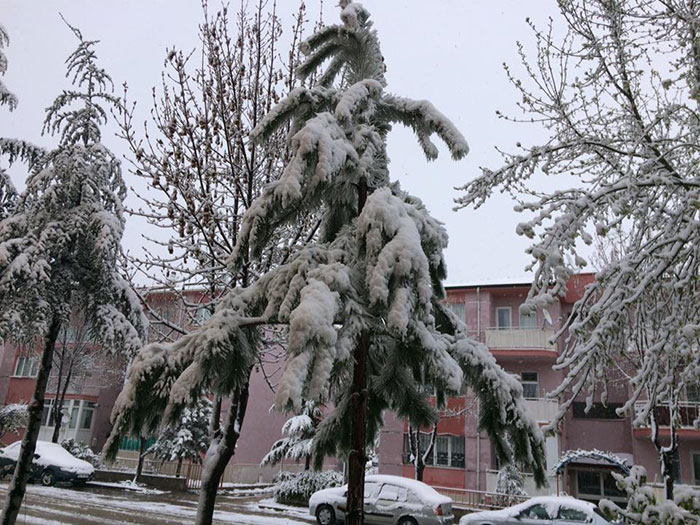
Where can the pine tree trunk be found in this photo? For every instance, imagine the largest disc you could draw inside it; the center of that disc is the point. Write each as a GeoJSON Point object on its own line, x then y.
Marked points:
{"type": "Point", "coordinates": [56, 414]}
{"type": "Point", "coordinates": [358, 435]}
{"type": "Point", "coordinates": [179, 467]}
{"type": "Point", "coordinates": [215, 463]}
{"type": "Point", "coordinates": [215, 416]}
{"type": "Point", "coordinates": [18, 485]}
{"type": "Point", "coordinates": [307, 462]}
{"type": "Point", "coordinates": [142, 455]}
{"type": "Point", "coordinates": [358, 415]}
{"type": "Point", "coordinates": [59, 420]}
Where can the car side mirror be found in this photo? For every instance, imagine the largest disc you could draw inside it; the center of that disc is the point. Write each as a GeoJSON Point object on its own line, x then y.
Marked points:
{"type": "Point", "coordinates": [36, 456]}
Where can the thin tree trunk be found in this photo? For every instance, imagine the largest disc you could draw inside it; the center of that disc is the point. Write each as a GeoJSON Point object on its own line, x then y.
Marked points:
{"type": "Point", "coordinates": [358, 435]}
{"type": "Point", "coordinates": [307, 462]}
{"type": "Point", "coordinates": [18, 485]}
{"type": "Point", "coordinates": [357, 459]}
{"type": "Point", "coordinates": [219, 454]}
{"type": "Point", "coordinates": [59, 421]}
{"type": "Point", "coordinates": [179, 467]}
{"type": "Point", "coordinates": [56, 414]}
{"type": "Point", "coordinates": [142, 454]}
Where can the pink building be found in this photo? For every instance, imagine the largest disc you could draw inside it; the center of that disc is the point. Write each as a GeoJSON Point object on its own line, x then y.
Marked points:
{"type": "Point", "coordinates": [463, 458]}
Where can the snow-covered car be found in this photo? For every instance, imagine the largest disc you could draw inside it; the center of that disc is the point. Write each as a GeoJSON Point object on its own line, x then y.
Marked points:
{"type": "Point", "coordinates": [388, 499]}
{"type": "Point", "coordinates": [52, 463]}
{"type": "Point", "coordinates": [543, 510]}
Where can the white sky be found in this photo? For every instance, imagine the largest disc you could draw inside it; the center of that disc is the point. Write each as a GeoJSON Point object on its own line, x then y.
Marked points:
{"type": "Point", "coordinates": [450, 52]}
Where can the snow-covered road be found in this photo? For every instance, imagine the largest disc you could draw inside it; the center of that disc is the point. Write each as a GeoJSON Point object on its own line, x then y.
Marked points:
{"type": "Point", "coordinates": [102, 506]}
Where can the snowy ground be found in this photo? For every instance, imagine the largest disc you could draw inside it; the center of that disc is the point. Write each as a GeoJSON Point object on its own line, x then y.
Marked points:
{"type": "Point", "coordinates": [95, 505]}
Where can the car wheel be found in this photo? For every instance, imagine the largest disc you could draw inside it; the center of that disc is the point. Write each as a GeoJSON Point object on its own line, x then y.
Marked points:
{"type": "Point", "coordinates": [325, 515]}
{"type": "Point", "coordinates": [48, 478]}
{"type": "Point", "coordinates": [407, 521]}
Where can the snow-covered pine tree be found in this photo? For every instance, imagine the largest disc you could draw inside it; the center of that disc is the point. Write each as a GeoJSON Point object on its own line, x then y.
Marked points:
{"type": "Point", "coordinates": [188, 438]}
{"type": "Point", "coordinates": [510, 485]}
{"type": "Point", "coordinates": [300, 430]}
{"type": "Point", "coordinates": [623, 126]}
{"type": "Point", "coordinates": [61, 244]}
{"type": "Point", "coordinates": [363, 303]}
{"type": "Point", "coordinates": [12, 148]}
{"type": "Point", "coordinates": [13, 417]}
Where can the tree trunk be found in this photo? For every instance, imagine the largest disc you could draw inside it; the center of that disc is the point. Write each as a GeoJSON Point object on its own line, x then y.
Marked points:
{"type": "Point", "coordinates": [56, 414]}
{"type": "Point", "coordinates": [420, 468]}
{"type": "Point", "coordinates": [142, 455]}
{"type": "Point", "coordinates": [358, 435]}
{"type": "Point", "coordinates": [219, 454]}
{"type": "Point", "coordinates": [215, 416]}
{"type": "Point", "coordinates": [18, 485]}
{"type": "Point", "coordinates": [179, 467]}
{"type": "Point", "coordinates": [307, 462]}
{"type": "Point", "coordinates": [667, 473]}
{"type": "Point", "coordinates": [59, 421]}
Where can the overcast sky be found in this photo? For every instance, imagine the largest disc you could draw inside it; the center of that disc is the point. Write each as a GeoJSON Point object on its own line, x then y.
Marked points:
{"type": "Point", "coordinates": [450, 52]}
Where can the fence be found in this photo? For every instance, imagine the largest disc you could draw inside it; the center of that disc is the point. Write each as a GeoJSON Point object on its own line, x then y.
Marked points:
{"type": "Point", "coordinates": [480, 500]}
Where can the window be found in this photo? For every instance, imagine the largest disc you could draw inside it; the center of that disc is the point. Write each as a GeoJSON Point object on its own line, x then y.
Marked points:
{"type": "Point", "coordinates": [531, 385]}
{"type": "Point", "coordinates": [86, 416]}
{"type": "Point", "coordinates": [597, 484]}
{"type": "Point", "coordinates": [536, 512]}
{"type": "Point", "coordinates": [696, 467]}
{"type": "Point", "coordinates": [527, 322]}
{"type": "Point", "coordinates": [503, 318]}
{"type": "Point", "coordinates": [459, 310]}
{"type": "Point", "coordinates": [392, 493]}
{"type": "Point", "coordinates": [370, 489]}
{"type": "Point", "coordinates": [73, 417]}
{"type": "Point", "coordinates": [27, 366]}
{"type": "Point", "coordinates": [692, 392]}
{"type": "Point", "coordinates": [597, 411]}
{"type": "Point", "coordinates": [447, 452]}
{"type": "Point", "coordinates": [569, 514]}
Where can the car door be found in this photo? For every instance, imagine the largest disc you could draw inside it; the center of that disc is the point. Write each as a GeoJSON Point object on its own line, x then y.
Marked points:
{"type": "Point", "coordinates": [536, 514]}
{"type": "Point", "coordinates": [387, 506]}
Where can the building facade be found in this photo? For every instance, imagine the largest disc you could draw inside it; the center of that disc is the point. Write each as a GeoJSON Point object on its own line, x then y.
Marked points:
{"type": "Point", "coordinates": [463, 457]}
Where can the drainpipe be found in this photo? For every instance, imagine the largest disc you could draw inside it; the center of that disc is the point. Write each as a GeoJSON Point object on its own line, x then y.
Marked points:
{"type": "Point", "coordinates": [478, 434]}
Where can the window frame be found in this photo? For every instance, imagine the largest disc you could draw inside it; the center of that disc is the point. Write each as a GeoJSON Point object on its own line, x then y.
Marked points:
{"type": "Point", "coordinates": [525, 326]}
{"type": "Point", "coordinates": [33, 361]}
{"type": "Point", "coordinates": [459, 308]}
{"type": "Point", "coordinates": [530, 382]}
{"type": "Point", "coordinates": [508, 309]}
{"type": "Point", "coordinates": [431, 461]}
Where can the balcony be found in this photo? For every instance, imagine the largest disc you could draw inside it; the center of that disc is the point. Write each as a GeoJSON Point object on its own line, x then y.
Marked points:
{"type": "Point", "coordinates": [688, 413]}
{"type": "Point", "coordinates": [515, 339]}
{"type": "Point", "coordinates": [542, 410]}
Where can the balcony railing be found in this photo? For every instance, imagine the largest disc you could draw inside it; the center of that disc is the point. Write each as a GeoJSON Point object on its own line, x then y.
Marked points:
{"type": "Point", "coordinates": [688, 412]}
{"type": "Point", "coordinates": [520, 339]}
{"type": "Point", "coordinates": [542, 410]}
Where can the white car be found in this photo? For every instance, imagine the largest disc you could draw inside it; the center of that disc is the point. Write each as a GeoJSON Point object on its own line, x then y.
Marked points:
{"type": "Point", "coordinates": [388, 500]}
{"type": "Point", "coordinates": [544, 510]}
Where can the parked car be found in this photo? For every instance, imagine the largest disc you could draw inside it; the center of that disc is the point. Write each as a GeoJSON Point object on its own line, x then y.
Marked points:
{"type": "Point", "coordinates": [388, 500]}
{"type": "Point", "coordinates": [544, 510]}
{"type": "Point", "coordinates": [52, 463]}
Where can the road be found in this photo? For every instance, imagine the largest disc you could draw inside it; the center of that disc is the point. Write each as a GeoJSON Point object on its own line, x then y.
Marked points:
{"type": "Point", "coordinates": [94, 505]}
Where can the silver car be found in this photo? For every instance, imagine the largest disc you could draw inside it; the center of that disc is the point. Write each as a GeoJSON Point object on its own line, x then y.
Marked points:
{"type": "Point", "coordinates": [544, 510]}
{"type": "Point", "coordinates": [388, 500]}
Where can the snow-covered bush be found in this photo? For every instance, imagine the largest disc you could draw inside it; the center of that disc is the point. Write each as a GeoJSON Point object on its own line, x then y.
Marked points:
{"type": "Point", "coordinates": [82, 451]}
{"type": "Point", "coordinates": [296, 489]}
{"type": "Point", "coordinates": [509, 486]}
{"type": "Point", "coordinates": [643, 506]}
{"type": "Point", "coordinates": [12, 418]}
{"type": "Point", "coordinates": [300, 430]}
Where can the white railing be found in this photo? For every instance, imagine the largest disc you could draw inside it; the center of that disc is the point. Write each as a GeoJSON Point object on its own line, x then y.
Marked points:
{"type": "Point", "coordinates": [688, 413]}
{"type": "Point", "coordinates": [542, 409]}
{"type": "Point", "coordinates": [520, 339]}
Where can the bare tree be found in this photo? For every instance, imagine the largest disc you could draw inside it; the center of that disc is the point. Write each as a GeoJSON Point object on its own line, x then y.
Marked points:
{"type": "Point", "coordinates": [204, 173]}
{"type": "Point", "coordinates": [619, 96]}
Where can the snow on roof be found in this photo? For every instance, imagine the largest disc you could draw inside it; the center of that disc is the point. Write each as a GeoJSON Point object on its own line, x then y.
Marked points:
{"type": "Point", "coordinates": [423, 491]}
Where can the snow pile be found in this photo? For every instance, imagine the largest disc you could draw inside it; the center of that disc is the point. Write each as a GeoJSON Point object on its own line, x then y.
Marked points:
{"type": "Point", "coordinates": [644, 507]}
{"type": "Point", "coordinates": [291, 488]}
{"type": "Point", "coordinates": [82, 451]}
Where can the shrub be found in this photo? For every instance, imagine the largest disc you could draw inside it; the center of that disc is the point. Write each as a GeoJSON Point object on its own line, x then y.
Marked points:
{"type": "Point", "coordinates": [81, 451]}
{"type": "Point", "coordinates": [296, 489]}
